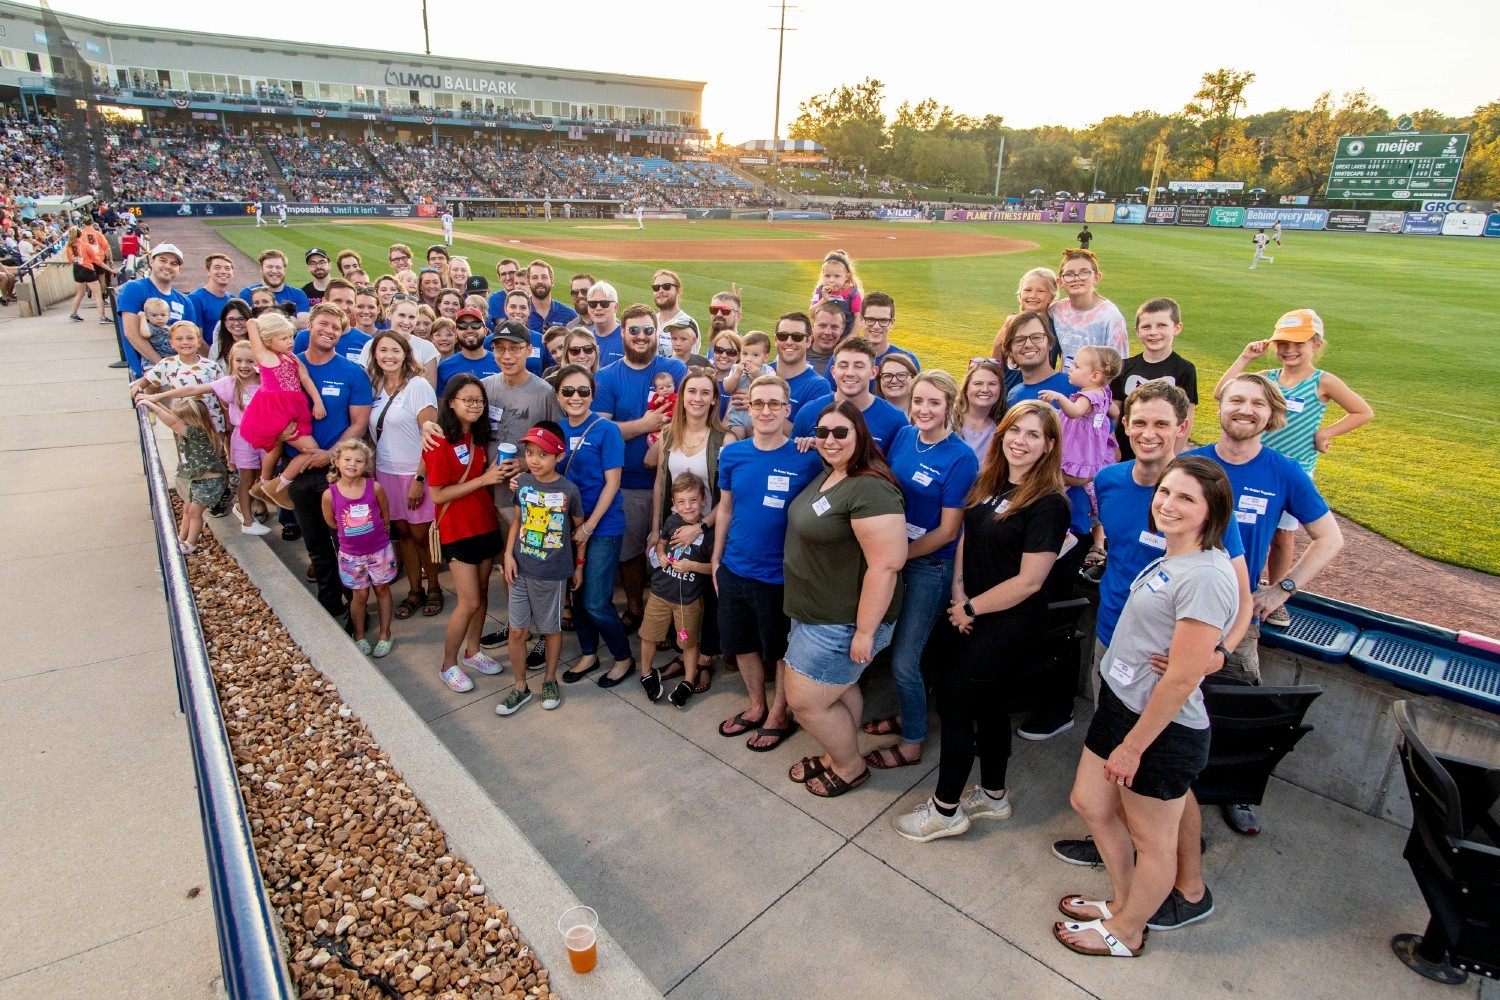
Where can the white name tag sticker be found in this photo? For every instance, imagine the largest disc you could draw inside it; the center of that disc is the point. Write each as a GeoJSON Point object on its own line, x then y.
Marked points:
{"type": "Point", "coordinates": [820, 506]}
{"type": "Point", "coordinates": [1121, 672]}
{"type": "Point", "coordinates": [778, 484]}
{"type": "Point", "coordinates": [1153, 540]}
{"type": "Point", "coordinates": [1295, 405]}
{"type": "Point", "coordinates": [1002, 506]}
{"type": "Point", "coordinates": [1158, 580]}
{"type": "Point", "coordinates": [913, 532]}
{"type": "Point", "coordinates": [536, 352]}
{"type": "Point", "coordinates": [496, 412]}
{"type": "Point", "coordinates": [921, 478]}
{"type": "Point", "coordinates": [574, 443]}
{"type": "Point", "coordinates": [461, 452]}
{"type": "Point", "coordinates": [554, 501]}
{"type": "Point", "coordinates": [777, 502]}
{"type": "Point", "coordinates": [1246, 516]}
{"type": "Point", "coordinates": [1257, 504]}
{"type": "Point", "coordinates": [332, 390]}
{"type": "Point", "coordinates": [1098, 420]}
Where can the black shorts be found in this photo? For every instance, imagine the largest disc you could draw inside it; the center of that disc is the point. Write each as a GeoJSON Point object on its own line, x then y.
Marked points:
{"type": "Point", "coordinates": [751, 619]}
{"type": "Point", "coordinates": [475, 549]}
{"type": "Point", "coordinates": [1170, 764]}
{"type": "Point", "coordinates": [84, 275]}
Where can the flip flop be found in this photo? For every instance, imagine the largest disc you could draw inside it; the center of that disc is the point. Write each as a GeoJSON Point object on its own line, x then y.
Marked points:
{"type": "Point", "coordinates": [834, 786]}
{"type": "Point", "coordinates": [409, 604]}
{"type": "Point", "coordinates": [674, 669]}
{"type": "Point", "coordinates": [882, 727]}
{"type": "Point", "coordinates": [779, 736]}
{"type": "Point", "coordinates": [1102, 905]}
{"type": "Point", "coordinates": [1113, 946]}
{"type": "Point", "coordinates": [889, 757]}
{"type": "Point", "coordinates": [811, 768]}
{"type": "Point", "coordinates": [433, 606]}
{"type": "Point", "coordinates": [705, 680]}
{"type": "Point", "coordinates": [744, 724]}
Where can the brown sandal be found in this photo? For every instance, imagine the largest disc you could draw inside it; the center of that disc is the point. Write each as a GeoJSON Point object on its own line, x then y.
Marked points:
{"type": "Point", "coordinates": [433, 606]}
{"type": "Point", "coordinates": [410, 603]}
{"type": "Point", "coordinates": [705, 680]}
{"type": "Point", "coordinates": [891, 756]}
{"type": "Point", "coordinates": [832, 785]}
{"type": "Point", "coordinates": [882, 727]}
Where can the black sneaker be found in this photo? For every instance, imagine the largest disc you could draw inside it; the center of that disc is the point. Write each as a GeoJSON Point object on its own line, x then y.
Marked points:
{"type": "Point", "coordinates": [1177, 912]}
{"type": "Point", "coordinates": [222, 507]}
{"type": "Point", "coordinates": [680, 694]}
{"type": "Point", "coordinates": [652, 683]}
{"type": "Point", "coordinates": [1078, 852]}
{"type": "Point", "coordinates": [496, 638]}
{"type": "Point", "coordinates": [290, 532]}
{"type": "Point", "coordinates": [537, 654]}
{"type": "Point", "coordinates": [1044, 726]}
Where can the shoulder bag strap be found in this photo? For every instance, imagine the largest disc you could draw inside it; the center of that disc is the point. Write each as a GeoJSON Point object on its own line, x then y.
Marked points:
{"type": "Point", "coordinates": [438, 521]}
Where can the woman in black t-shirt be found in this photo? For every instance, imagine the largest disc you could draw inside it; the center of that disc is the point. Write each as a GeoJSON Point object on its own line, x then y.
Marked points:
{"type": "Point", "coordinates": [1014, 525]}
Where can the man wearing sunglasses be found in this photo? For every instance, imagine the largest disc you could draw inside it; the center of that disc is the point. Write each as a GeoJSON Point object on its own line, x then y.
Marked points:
{"type": "Point", "coordinates": [621, 390]}
{"type": "Point", "coordinates": [471, 357]}
{"type": "Point", "coordinates": [793, 335]}
{"type": "Point", "coordinates": [578, 288]}
{"type": "Point", "coordinates": [601, 302]}
{"type": "Point", "coordinates": [545, 311]}
{"type": "Point", "coordinates": [666, 291]}
{"type": "Point", "coordinates": [724, 314]}
{"type": "Point", "coordinates": [851, 374]}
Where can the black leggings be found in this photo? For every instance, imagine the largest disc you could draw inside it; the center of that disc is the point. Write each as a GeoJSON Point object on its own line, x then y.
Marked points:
{"type": "Point", "coordinates": [975, 722]}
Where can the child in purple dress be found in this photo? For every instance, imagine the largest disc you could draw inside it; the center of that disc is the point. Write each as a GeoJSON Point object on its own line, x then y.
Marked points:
{"type": "Point", "coordinates": [1088, 443]}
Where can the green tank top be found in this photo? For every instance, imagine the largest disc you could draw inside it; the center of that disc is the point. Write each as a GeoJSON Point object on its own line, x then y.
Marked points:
{"type": "Point", "coordinates": [1304, 415]}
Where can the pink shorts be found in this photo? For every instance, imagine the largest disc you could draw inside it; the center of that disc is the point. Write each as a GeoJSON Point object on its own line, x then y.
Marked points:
{"type": "Point", "coordinates": [363, 572]}
{"type": "Point", "coordinates": [395, 497]}
{"type": "Point", "coordinates": [242, 453]}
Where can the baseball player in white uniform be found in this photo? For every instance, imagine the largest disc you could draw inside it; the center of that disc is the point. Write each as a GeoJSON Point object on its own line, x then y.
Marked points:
{"type": "Point", "coordinates": [448, 226]}
{"type": "Point", "coordinates": [1260, 249]}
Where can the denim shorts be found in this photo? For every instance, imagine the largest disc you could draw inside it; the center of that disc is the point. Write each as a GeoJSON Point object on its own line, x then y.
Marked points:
{"type": "Point", "coordinates": [821, 652]}
{"type": "Point", "coordinates": [1170, 764]}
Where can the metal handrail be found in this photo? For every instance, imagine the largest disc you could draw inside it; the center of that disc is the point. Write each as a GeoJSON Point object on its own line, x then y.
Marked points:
{"type": "Point", "coordinates": [250, 953]}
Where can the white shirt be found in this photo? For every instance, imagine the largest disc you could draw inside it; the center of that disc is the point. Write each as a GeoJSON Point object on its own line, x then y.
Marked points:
{"type": "Point", "coordinates": [678, 463]}
{"type": "Point", "coordinates": [398, 451]}
{"type": "Point", "coordinates": [421, 349]}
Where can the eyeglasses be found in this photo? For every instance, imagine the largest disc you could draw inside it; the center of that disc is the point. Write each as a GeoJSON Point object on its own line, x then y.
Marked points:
{"type": "Point", "coordinates": [1076, 275]}
{"type": "Point", "coordinates": [795, 338]}
{"type": "Point", "coordinates": [663, 287]}
{"type": "Point", "coordinates": [767, 404]}
{"type": "Point", "coordinates": [603, 304]}
{"type": "Point", "coordinates": [581, 391]}
{"type": "Point", "coordinates": [641, 331]}
{"type": "Point", "coordinates": [1031, 338]}
{"type": "Point", "coordinates": [889, 377]}
{"type": "Point", "coordinates": [728, 352]}
{"type": "Point", "coordinates": [471, 325]}
{"type": "Point", "coordinates": [510, 347]}
{"type": "Point", "coordinates": [721, 310]}
{"type": "Point", "coordinates": [837, 433]}
{"type": "Point", "coordinates": [587, 349]}
{"type": "Point", "coordinates": [508, 274]}
{"type": "Point", "coordinates": [468, 401]}
{"type": "Point", "coordinates": [398, 259]}
{"type": "Point", "coordinates": [877, 321]}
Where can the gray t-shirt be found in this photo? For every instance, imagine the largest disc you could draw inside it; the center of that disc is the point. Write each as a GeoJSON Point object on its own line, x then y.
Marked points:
{"type": "Point", "coordinates": [1198, 585]}
{"type": "Point", "coordinates": [544, 540]}
{"type": "Point", "coordinates": [513, 411]}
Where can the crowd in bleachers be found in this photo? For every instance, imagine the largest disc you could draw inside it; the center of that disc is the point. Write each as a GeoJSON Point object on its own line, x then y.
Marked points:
{"type": "Point", "coordinates": [430, 174]}
{"type": "Point", "coordinates": [331, 170]}
{"type": "Point", "coordinates": [166, 165]}
{"type": "Point", "coordinates": [31, 158]}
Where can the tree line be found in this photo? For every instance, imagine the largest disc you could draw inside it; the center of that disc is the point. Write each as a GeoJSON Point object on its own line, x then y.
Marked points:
{"type": "Point", "coordinates": [1286, 151]}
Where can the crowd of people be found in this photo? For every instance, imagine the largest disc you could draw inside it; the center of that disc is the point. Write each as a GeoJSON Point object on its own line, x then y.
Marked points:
{"type": "Point", "coordinates": [794, 504]}
{"type": "Point", "coordinates": [160, 164]}
{"type": "Point", "coordinates": [331, 170]}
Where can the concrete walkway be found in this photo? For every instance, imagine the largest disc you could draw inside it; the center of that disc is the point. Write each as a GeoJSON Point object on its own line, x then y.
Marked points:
{"type": "Point", "coordinates": [103, 882]}
{"type": "Point", "coordinates": [722, 879]}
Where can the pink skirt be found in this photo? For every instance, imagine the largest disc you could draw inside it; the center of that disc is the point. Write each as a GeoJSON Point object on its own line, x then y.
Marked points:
{"type": "Point", "coordinates": [395, 497]}
{"type": "Point", "coordinates": [268, 414]}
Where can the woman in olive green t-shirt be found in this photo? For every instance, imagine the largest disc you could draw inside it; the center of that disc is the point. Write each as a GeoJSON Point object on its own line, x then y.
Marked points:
{"type": "Point", "coordinates": [845, 547]}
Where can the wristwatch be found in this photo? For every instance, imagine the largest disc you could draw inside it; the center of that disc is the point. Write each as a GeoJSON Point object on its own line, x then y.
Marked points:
{"type": "Point", "coordinates": [420, 479]}
{"type": "Point", "coordinates": [1289, 585]}
{"type": "Point", "coordinates": [969, 610]}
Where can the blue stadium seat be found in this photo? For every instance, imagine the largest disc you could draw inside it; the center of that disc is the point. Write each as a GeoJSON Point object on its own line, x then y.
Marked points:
{"type": "Point", "coordinates": [1314, 635]}
{"type": "Point", "coordinates": [1432, 665]}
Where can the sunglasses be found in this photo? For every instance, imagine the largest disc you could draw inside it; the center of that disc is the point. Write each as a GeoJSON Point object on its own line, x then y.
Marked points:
{"type": "Point", "coordinates": [640, 331]}
{"type": "Point", "coordinates": [581, 391]}
{"type": "Point", "coordinates": [721, 310]}
{"type": "Point", "coordinates": [837, 433]}
{"type": "Point", "coordinates": [795, 338]}
{"type": "Point", "coordinates": [471, 325]}
{"type": "Point", "coordinates": [604, 304]}
{"type": "Point", "coordinates": [590, 349]}
{"type": "Point", "coordinates": [766, 404]}
{"type": "Point", "coordinates": [728, 352]}
{"type": "Point", "coordinates": [403, 297]}
{"type": "Point", "coordinates": [662, 288]}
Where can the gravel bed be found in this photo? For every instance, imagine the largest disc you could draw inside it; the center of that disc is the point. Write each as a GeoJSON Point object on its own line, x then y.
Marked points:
{"type": "Point", "coordinates": [352, 860]}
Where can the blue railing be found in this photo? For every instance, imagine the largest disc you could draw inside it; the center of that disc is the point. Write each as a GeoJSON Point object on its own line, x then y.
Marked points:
{"type": "Point", "coordinates": [250, 954]}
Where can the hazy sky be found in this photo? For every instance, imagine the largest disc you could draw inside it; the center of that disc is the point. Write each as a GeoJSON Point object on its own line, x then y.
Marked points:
{"type": "Point", "coordinates": [1071, 63]}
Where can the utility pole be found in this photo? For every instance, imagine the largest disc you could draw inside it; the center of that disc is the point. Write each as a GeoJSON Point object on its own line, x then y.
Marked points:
{"type": "Point", "coordinates": [780, 50]}
{"type": "Point", "coordinates": [1161, 151]}
{"type": "Point", "coordinates": [426, 38]}
{"type": "Point", "coordinates": [999, 159]}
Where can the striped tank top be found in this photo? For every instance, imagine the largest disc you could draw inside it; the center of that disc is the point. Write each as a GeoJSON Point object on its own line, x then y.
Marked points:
{"type": "Point", "coordinates": [1304, 415]}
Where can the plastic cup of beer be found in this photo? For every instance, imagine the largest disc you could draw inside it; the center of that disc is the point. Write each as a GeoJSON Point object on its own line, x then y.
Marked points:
{"type": "Point", "coordinates": [579, 926]}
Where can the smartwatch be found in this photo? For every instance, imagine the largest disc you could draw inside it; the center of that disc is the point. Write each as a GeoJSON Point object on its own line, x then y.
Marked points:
{"type": "Point", "coordinates": [1289, 585]}
{"type": "Point", "coordinates": [969, 610]}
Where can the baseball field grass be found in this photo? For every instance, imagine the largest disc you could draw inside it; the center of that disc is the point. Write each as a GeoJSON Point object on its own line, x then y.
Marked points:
{"type": "Point", "coordinates": [1411, 325]}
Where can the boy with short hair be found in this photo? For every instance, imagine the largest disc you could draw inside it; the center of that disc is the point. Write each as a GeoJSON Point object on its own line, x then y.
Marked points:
{"type": "Point", "coordinates": [754, 352]}
{"type": "Point", "coordinates": [540, 560]}
{"type": "Point", "coordinates": [1157, 324]}
{"type": "Point", "coordinates": [676, 598]}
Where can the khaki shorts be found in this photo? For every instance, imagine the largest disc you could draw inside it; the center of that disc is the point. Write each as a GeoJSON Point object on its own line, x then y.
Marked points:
{"type": "Point", "coordinates": [662, 614]}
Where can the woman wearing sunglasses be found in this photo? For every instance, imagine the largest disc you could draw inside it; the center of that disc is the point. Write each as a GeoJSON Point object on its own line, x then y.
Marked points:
{"type": "Point", "coordinates": [593, 463]}
{"type": "Point", "coordinates": [723, 355]}
{"type": "Point", "coordinates": [845, 547]}
{"type": "Point", "coordinates": [582, 350]}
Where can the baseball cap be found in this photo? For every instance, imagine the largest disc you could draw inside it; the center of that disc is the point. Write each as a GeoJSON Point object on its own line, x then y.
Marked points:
{"type": "Point", "coordinates": [315, 252]}
{"type": "Point", "coordinates": [170, 248]}
{"type": "Point", "coordinates": [1298, 326]}
{"type": "Point", "coordinates": [680, 320]}
{"type": "Point", "coordinates": [469, 314]}
{"type": "Point", "coordinates": [544, 439]}
{"type": "Point", "coordinates": [513, 331]}
{"type": "Point", "coordinates": [476, 283]}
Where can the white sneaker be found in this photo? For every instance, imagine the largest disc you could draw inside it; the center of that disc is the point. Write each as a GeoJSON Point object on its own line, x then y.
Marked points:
{"type": "Point", "coordinates": [925, 823]}
{"type": "Point", "coordinates": [482, 662]}
{"type": "Point", "coordinates": [254, 528]}
{"type": "Point", "coordinates": [456, 679]}
{"type": "Point", "coordinates": [980, 806]}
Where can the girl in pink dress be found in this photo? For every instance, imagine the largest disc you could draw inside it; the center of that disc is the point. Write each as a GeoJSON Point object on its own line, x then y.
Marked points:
{"type": "Point", "coordinates": [1088, 441]}
{"type": "Point", "coordinates": [837, 280]}
{"type": "Point", "coordinates": [279, 414]}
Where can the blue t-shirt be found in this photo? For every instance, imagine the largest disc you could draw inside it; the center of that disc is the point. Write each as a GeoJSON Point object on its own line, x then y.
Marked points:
{"type": "Point", "coordinates": [594, 447]}
{"type": "Point", "coordinates": [350, 344]}
{"type": "Point", "coordinates": [1124, 510]}
{"type": "Point", "coordinates": [762, 483]}
{"type": "Point", "coordinates": [611, 347]}
{"type": "Point", "coordinates": [893, 349]}
{"type": "Point", "coordinates": [457, 364]}
{"type": "Point", "coordinates": [621, 391]}
{"type": "Point", "coordinates": [805, 388]}
{"type": "Point", "coordinates": [341, 384]}
{"type": "Point", "coordinates": [132, 297]}
{"type": "Point", "coordinates": [1057, 382]}
{"type": "Point", "coordinates": [1265, 487]}
{"type": "Point", "coordinates": [209, 307]}
{"type": "Point", "coordinates": [286, 294]}
{"type": "Point", "coordinates": [558, 315]}
{"type": "Point", "coordinates": [883, 419]}
{"type": "Point", "coordinates": [933, 477]}
{"type": "Point", "coordinates": [496, 308]}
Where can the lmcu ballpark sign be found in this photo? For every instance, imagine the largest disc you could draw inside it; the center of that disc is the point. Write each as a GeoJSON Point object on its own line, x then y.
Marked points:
{"type": "Point", "coordinates": [1397, 167]}
{"type": "Point", "coordinates": [445, 81]}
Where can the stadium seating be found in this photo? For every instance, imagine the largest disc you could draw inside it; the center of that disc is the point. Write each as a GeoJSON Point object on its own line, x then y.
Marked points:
{"type": "Point", "coordinates": [331, 170]}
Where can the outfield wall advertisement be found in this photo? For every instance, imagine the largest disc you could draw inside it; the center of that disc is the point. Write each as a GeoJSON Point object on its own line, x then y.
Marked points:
{"type": "Point", "coordinates": [1290, 218]}
{"type": "Point", "coordinates": [1226, 217]}
{"type": "Point", "coordinates": [1192, 215]}
{"type": "Point", "coordinates": [1423, 224]}
{"type": "Point", "coordinates": [1464, 224]}
{"type": "Point", "coordinates": [1161, 215]}
{"type": "Point", "coordinates": [1492, 225]}
{"type": "Point", "coordinates": [1099, 212]}
{"type": "Point", "coordinates": [1001, 215]}
{"type": "Point", "coordinates": [294, 209]}
{"type": "Point", "coordinates": [1130, 215]}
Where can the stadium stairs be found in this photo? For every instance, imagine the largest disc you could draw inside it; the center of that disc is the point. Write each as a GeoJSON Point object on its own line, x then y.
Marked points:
{"type": "Point", "coordinates": [277, 176]}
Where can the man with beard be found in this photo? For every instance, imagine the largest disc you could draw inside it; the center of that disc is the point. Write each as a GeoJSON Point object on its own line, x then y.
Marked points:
{"type": "Point", "coordinates": [620, 393]}
{"type": "Point", "coordinates": [273, 278]}
{"type": "Point", "coordinates": [471, 357]}
{"type": "Point", "coordinates": [850, 373]}
{"type": "Point", "coordinates": [804, 384]}
{"type": "Point", "coordinates": [666, 291]}
{"type": "Point", "coordinates": [1029, 345]}
{"type": "Point", "coordinates": [165, 265]}
{"type": "Point", "coordinates": [545, 311]}
{"type": "Point", "coordinates": [602, 302]}
{"type": "Point", "coordinates": [1266, 484]}
{"type": "Point", "coordinates": [211, 299]}
{"type": "Point", "coordinates": [317, 266]}
{"type": "Point", "coordinates": [578, 288]}
{"type": "Point", "coordinates": [723, 314]}
{"type": "Point", "coordinates": [830, 321]}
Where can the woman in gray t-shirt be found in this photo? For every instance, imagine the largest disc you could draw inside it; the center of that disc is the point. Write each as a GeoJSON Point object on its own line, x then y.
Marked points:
{"type": "Point", "coordinates": [1149, 738]}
